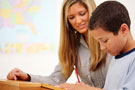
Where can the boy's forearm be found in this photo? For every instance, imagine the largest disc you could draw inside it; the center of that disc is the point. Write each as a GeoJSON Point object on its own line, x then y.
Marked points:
{"type": "Point", "coordinates": [77, 86]}
{"type": "Point", "coordinates": [94, 88]}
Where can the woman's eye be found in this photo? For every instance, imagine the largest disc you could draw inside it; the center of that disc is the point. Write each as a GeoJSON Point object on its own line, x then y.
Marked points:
{"type": "Point", "coordinates": [83, 13]}
{"type": "Point", "coordinates": [71, 17]}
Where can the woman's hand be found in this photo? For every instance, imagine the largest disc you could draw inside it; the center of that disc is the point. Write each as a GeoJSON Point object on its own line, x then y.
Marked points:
{"type": "Point", "coordinates": [17, 74]}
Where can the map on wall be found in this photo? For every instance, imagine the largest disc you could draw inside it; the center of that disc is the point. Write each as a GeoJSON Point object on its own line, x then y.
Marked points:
{"type": "Point", "coordinates": [27, 26]}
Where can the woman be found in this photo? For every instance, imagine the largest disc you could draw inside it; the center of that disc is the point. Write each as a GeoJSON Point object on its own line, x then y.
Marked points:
{"type": "Point", "coordinates": [74, 49]}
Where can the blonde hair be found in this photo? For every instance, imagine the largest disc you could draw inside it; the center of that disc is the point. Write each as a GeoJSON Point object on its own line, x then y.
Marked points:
{"type": "Point", "coordinates": [98, 57]}
{"type": "Point", "coordinates": [69, 41]}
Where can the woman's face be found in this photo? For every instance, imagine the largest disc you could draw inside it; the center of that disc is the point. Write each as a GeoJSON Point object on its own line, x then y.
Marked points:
{"type": "Point", "coordinates": [78, 17]}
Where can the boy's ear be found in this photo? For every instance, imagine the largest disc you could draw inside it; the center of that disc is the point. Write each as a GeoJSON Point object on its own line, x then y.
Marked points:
{"type": "Point", "coordinates": [124, 29]}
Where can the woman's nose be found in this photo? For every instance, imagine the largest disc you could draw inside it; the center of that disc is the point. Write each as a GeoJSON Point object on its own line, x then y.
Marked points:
{"type": "Point", "coordinates": [78, 19]}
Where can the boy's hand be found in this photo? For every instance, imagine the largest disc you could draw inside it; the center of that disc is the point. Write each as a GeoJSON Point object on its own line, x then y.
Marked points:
{"type": "Point", "coordinates": [77, 86]}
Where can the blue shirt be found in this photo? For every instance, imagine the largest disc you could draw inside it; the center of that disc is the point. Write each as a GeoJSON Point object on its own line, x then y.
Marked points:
{"type": "Point", "coordinates": [121, 72]}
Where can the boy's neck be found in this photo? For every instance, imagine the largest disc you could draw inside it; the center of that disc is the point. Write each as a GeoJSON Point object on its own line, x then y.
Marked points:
{"type": "Point", "coordinates": [130, 44]}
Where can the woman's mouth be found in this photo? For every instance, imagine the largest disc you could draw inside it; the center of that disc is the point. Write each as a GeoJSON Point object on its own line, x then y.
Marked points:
{"type": "Point", "coordinates": [81, 26]}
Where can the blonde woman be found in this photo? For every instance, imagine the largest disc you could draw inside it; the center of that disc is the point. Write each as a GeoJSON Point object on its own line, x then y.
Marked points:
{"type": "Point", "coordinates": [75, 48]}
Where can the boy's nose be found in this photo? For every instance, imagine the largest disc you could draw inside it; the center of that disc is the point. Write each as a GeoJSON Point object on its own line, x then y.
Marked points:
{"type": "Point", "coordinates": [102, 47]}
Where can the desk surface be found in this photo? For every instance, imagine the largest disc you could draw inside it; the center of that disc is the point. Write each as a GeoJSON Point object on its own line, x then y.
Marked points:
{"type": "Point", "coordinates": [20, 85]}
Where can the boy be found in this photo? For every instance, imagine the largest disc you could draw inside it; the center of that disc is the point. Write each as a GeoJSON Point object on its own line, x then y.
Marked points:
{"type": "Point", "coordinates": [110, 26]}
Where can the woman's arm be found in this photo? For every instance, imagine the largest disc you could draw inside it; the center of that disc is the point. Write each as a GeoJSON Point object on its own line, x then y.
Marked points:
{"type": "Point", "coordinates": [54, 79]}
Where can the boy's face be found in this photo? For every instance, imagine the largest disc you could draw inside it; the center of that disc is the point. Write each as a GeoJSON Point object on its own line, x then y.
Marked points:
{"type": "Point", "coordinates": [110, 43]}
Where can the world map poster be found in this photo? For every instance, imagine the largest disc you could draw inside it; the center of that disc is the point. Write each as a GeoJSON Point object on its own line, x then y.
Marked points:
{"type": "Point", "coordinates": [27, 26]}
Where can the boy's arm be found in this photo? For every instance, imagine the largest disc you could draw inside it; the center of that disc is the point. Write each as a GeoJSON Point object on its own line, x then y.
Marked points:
{"type": "Point", "coordinates": [77, 86]}
{"type": "Point", "coordinates": [127, 85]}
{"type": "Point", "coordinates": [130, 79]}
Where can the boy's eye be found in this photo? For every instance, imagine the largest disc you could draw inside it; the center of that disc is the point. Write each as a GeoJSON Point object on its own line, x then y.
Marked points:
{"type": "Point", "coordinates": [105, 40]}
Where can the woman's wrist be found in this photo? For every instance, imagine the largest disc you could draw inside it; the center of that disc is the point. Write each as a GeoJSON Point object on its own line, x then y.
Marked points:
{"type": "Point", "coordinates": [28, 78]}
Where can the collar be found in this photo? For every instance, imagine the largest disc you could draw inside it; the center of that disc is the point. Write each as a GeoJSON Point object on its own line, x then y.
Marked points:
{"type": "Point", "coordinates": [124, 54]}
{"type": "Point", "coordinates": [83, 42]}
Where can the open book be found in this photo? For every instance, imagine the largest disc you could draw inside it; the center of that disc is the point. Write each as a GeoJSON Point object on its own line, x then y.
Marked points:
{"type": "Point", "coordinates": [22, 85]}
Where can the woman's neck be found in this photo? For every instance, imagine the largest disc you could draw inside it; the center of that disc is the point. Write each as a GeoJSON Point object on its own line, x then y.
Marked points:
{"type": "Point", "coordinates": [86, 37]}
